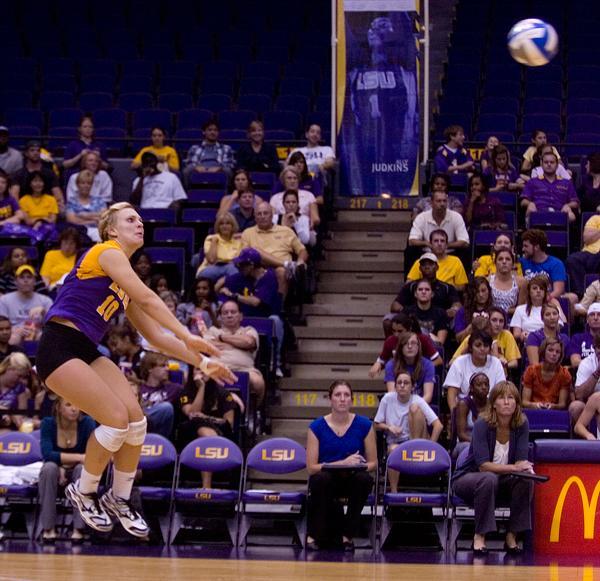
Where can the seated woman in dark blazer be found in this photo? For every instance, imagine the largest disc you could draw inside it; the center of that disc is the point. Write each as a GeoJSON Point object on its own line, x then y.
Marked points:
{"type": "Point", "coordinates": [342, 439]}
{"type": "Point", "coordinates": [499, 449]}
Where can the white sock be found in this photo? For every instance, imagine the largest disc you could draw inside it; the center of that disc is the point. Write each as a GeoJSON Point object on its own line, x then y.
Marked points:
{"type": "Point", "coordinates": [122, 483]}
{"type": "Point", "coordinates": [88, 483]}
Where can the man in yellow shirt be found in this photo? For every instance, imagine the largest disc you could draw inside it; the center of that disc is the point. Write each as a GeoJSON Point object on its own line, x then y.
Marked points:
{"type": "Point", "coordinates": [587, 261]}
{"type": "Point", "coordinates": [278, 245]}
{"type": "Point", "coordinates": [450, 268]}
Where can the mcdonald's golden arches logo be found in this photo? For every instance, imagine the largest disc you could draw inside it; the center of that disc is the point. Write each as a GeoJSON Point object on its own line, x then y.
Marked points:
{"type": "Point", "coordinates": [589, 505]}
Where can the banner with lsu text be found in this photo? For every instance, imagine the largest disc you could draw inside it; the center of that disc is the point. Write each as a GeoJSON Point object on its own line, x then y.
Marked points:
{"type": "Point", "coordinates": [377, 97]}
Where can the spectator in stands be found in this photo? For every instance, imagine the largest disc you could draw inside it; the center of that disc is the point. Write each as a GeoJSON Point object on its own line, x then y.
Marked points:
{"type": "Point", "coordinates": [15, 370]}
{"type": "Point", "coordinates": [439, 217]}
{"type": "Point", "coordinates": [63, 439]}
{"type": "Point", "coordinates": [32, 161]}
{"type": "Point", "coordinates": [61, 261]}
{"type": "Point", "coordinates": [15, 258]}
{"type": "Point", "coordinates": [319, 158]}
{"type": "Point", "coordinates": [403, 323]}
{"type": "Point", "coordinates": [210, 411]}
{"type": "Point", "coordinates": [550, 330]}
{"type": "Point", "coordinates": [403, 415]}
{"type": "Point", "coordinates": [255, 288]}
{"type": "Point", "coordinates": [535, 261]}
{"type": "Point", "coordinates": [85, 143]}
{"type": "Point", "coordinates": [483, 211]}
{"type": "Point", "coordinates": [528, 317]}
{"type": "Point", "coordinates": [142, 265]}
{"type": "Point", "coordinates": [211, 155]}
{"type": "Point", "coordinates": [308, 183]}
{"type": "Point", "coordinates": [581, 345]}
{"type": "Point", "coordinates": [501, 175]}
{"type": "Point", "coordinates": [242, 201]}
{"type": "Point", "coordinates": [159, 283]}
{"type": "Point", "coordinates": [238, 346]}
{"type": "Point", "coordinates": [550, 192]}
{"type": "Point", "coordinates": [587, 260]}
{"type": "Point", "coordinates": [278, 246]}
{"type": "Point", "coordinates": [168, 160]}
{"type": "Point", "coordinates": [124, 344]}
{"type": "Point", "coordinates": [587, 385]}
{"type": "Point", "coordinates": [24, 306]}
{"type": "Point", "coordinates": [84, 209]}
{"type": "Point", "coordinates": [538, 169]}
{"type": "Point", "coordinates": [11, 159]}
{"type": "Point", "coordinates": [486, 157]}
{"type": "Point", "coordinates": [433, 320]}
{"type": "Point", "coordinates": [157, 394]}
{"type": "Point", "coordinates": [450, 268]}
{"type": "Point", "coordinates": [257, 155]}
{"type": "Point", "coordinates": [292, 218]}
{"type": "Point", "coordinates": [290, 178]}
{"type": "Point", "coordinates": [538, 139]}
{"type": "Point", "coordinates": [478, 299]}
{"type": "Point", "coordinates": [590, 411]}
{"type": "Point", "coordinates": [499, 448]}
{"type": "Point", "coordinates": [221, 248]}
{"type": "Point", "coordinates": [444, 295]}
{"type": "Point", "coordinates": [452, 158]}
{"type": "Point", "coordinates": [10, 213]}
{"type": "Point", "coordinates": [440, 182]}
{"type": "Point", "coordinates": [102, 186]}
{"type": "Point", "coordinates": [154, 188]}
{"type": "Point", "coordinates": [470, 407]}
{"type": "Point", "coordinates": [478, 358]}
{"type": "Point", "coordinates": [485, 265]}
{"type": "Point", "coordinates": [505, 284]}
{"type": "Point", "coordinates": [200, 308]}
{"type": "Point", "coordinates": [589, 191]}
{"type": "Point", "coordinates": [339, 438]}
{"type": "Point", "coordinates": [5, 333]}
{"type": "Point", "coordinates": [547, 385]}
{"type": "Point", "coordinates": [504, 346]}
{"type": "Point", "coordinates": [408, 358]}
{"type": "Point", "coordinates": [39, 207]}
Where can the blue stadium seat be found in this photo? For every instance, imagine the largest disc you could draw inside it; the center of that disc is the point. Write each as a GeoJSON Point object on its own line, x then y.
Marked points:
{"type": "Point", "coordinates": [298, 103]}
{"type": "Point", "coordinates": [16, 64]}
{"type": "Point", "coordinates": [583, 73]}
{"type": "Point", "coordinates": [220, 69]}
{"type": "Point", "coordinates": [21, 134]}
{"type": "Point", "coordinates": [113, 138]}
{"type": "Point", "coordinates": [205, 198]}
{"type": "Point", "coordinates": [260, 85]}
{"type": "Point", "coordinates": [171, 84]}
{"type": "Point", "coordinates": [498, 106]}
{"type": "Point", "coordinates": [97, 83]}
{"type": "Point", "coordinates": [443, 121]}
{"type": "Point", "coordinates": [59, 137]}
{"type": "Point", "coordinates": [14, 99]}
{"type": "Point", "coordinates": [279, 135]}
{"type": "Point", "coordinates": [121, 50]}
{"type": "Point", "coordinates": [321, 118]}
{"type": "Point", "coordinates": [236, 119]}
{"type": "Point", "coordinates": [258, 103]}
{"type": "Point", "coordinates": [593, 139]}
{"type": "Point", "coordinates": [539, 106]}
{"type": "Point", "coordinates": [550, 123]}
{"type": "Point", "coordinates": [549, 72]}
{"type": "Point", "coordinates": [176, 235]}
{"type": "Point", "coordinates": [178, 69]}
{"type": "Point", "coordinates": [584, 89]}
{"type": "Point", "coordinates": [134, 101]}
{"type": "Point", "coordinates": [175, 102]}
{"type": "Point", "coordinates": [172, 255]}
{"type": "Point", "coordinates": [239, 53]}
{"type": "Point", "coordinates": [503, 71]}
{"type": "Point", "coordinates": [209, 181]}
{"type": "Point", "coordinates": [197, 50]}
{"type": "Point", "coordinates": [498, 88]}
{"type": "Point", "coordinates": [287, 120]}
{"type": "Point", "coordinates": [95, 100]}
{"type": "Point", "coordinates": [262, 69]}
{"type": "Point", "coordinates": [547, 89]}
{"type": "Point", "coordinates": [303, 69]}
{"type": "Point", "coordinates": [24, 117]}
{"type": "Point", "coordinates": [323, 103]}
{"type": "Point", "coordinates": [493, 122]}
{"type": "Point", "coordinates": [232, 134]}
{"type": "Point", "coordinates": [65, 117]}
{"type": "Point", "coordinates": [297, 86]}
{"type": "Point", "coordinates": [152, 118]}
{"type": "Point", "coordinates": [215, 102]}
{"type": "Point", "coordinates": [263, 181]}
{"type": "Point", "coordinates": [59, 83]}
{"type": "Point", "coordinates": [155, 51]}
{"type": "Point", "coordinates": [463, 71]}
{"type": "Point", "coordinates": [185, 138]}
{"type": "Point", "coordinates": [211, 85]}
{"type": "Point", "coordinates": [111, 117]}
{"type": "Point", "coordinates": [193, 118]}
{"type": "Point", "coordinates": [583, 124]}
{"type": "Point", "coordinates": [106, 67]}
{"type": "Point", "coordinates": [448, 105]}
{"type": "Point", "coordinates": [58, 66]}
{"type": "Point", "coordinates": [276, 53]}
{"type": "Point", "coordinates": [166, 216]}
{"type": "Point", "coordinates": [146, 68]}
{"type": "Point", "coordinates": [136, 84]}
{"type": "Point", "coordinates": [56, 100]}
{"type": "Point", "coordinates": [501, 135]}
{"type": "Point", "coordinates": [583, 106]}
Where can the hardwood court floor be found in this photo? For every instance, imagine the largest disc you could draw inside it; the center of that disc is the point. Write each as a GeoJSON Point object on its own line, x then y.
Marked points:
{"type": "Point", "coordinates": [47, 567]}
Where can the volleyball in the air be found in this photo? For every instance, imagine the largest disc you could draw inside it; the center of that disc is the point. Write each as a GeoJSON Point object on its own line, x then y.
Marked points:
{"type": "Point", "coordinates": [533, 42]}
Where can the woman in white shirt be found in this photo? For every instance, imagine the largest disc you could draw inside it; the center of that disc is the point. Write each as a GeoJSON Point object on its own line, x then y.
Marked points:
{"type": "Point", "coordinates": [102, 186]}
{"type": "Point", "coordinates": [292, 218]}
{"type": "Point", "coordinates": [290, 178]}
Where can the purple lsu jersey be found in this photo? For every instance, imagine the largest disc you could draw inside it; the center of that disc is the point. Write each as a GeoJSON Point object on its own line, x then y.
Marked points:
{"type": "Point", "coordinates": [89, 298]}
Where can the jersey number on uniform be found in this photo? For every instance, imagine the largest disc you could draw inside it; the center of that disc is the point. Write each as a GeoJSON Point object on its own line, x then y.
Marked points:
{"type": "Point", "coordinates": [110, 305]}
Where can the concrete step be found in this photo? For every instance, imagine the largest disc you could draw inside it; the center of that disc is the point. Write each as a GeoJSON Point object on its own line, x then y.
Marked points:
{"type": "Point", "coordinates": [340, 332]}
{"type": "Point", "coordinates": [349, 304]}
{"type": "Point", "coordinates": [402, 219]}
{"type": "Point", "coordinates": [287, 428]}
{"type": "Point", "coordinates": [361, 265]}
{"type": "Point", "coordinates": [391, 241]}
{"type": "Point", "coordinates": [367, 226]}
{"type": "Point", "coordinates": [374, 257]}
{"type": "Point", "coordinates": [365, 282]}
{"type": "Point", "coordinates": [312, 372]}
{"type": "Point", "coordinates": [336, 350]}
{"type": "Point", "coordinates": [362, 383]}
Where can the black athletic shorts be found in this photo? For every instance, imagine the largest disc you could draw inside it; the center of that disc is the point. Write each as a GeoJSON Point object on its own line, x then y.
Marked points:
{"type": "Point", "coordinates": [59, 344]}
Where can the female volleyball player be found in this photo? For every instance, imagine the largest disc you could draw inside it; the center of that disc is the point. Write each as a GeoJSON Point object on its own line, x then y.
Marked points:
{"type": "Point", "coordinates": [101, 284]}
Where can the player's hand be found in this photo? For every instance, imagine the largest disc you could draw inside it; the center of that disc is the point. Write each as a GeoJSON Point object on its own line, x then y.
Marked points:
{"type": "Point", "coordinates": [220, 373]}
{"type": "Point", "coordinates": [197, 344]}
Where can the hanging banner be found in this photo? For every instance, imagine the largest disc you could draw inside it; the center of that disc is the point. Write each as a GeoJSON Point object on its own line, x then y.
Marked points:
{"type": "Point", "coordinates": [377, 97]}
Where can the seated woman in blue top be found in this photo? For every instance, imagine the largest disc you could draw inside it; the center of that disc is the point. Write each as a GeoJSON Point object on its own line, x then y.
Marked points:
{"type": "Point", "coordinates": [63, 439]}
{"type": "Point", "coordinates": [499, 449]}
{"type": "Point", "coordinates": [340, 438]}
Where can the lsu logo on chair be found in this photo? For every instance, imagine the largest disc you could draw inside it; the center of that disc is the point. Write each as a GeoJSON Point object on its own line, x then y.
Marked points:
{"type": "Point", "coordinates": [152, 450]}
{"type": "Point", "coordinates": [589, 508]}
{"type": "Point", "coordinates": [15, 448]}
{"type": "Point", "coordinates": [212, 453]}
{"type": "Point", "coordinates": [278, 455]}
{"type": "Point", "coordinates": [418, 455]}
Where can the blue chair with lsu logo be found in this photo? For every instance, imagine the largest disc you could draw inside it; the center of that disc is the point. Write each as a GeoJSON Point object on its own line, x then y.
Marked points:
{"type": "Point", "coordinates": [157, 461]}
{"type": "Point", "coordinates": [17, 494]}
{"type": "Point", "coordinates": [425, 470]}
{"type": "Point", "coordinates": [194, 504]}
{"type": "Point", "coordinates": [272, 458]}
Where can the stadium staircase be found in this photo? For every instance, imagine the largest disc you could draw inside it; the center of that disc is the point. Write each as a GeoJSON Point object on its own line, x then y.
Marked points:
{"type": "Point", "coordinates": [358, 278]}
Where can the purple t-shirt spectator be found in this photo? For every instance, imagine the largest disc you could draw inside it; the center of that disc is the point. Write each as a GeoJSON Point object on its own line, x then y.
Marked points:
{"type": "Point", "coordinates": [8, 207]}
{"type": "Point", "coordinates": [427, 373]}
{"type": "Point", "coordinates": [492, 177]}
{"type": "Point", "coordinates": [488, 212]}
{"type": "Point", "coordinates": [265, 289]}
{"type": "Point", "coordinates": [76, 147]}
{"type": "Point", "coordinates": [150, 396]}
{"type": "Point", "coordinates": [536, 338]}
{"type": "Point", "coordinates": [460, 321]}
{"type": "Point", "coordinates": [445, 158]}
{"type": "Point", "coordinates": [581, 344]}
{"type": "Point", "coordinates": [549, 196]}
{"type": "Point", "coordinates": [10, 398]}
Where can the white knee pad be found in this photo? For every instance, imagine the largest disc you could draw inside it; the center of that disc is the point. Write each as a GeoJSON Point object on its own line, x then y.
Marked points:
{"type": "Point", "coordinates": [111, 438]}
{"type": "Point", "coordinates": [137, 433]}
